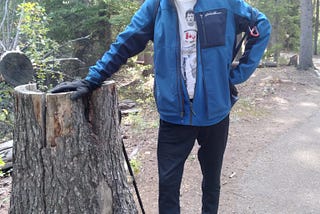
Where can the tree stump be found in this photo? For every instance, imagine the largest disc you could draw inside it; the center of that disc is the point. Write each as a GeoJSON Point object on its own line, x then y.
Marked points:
{"type": "Point", "coordinates": [293, 61]}
{"type": "Point", "coordinates": [68, 154]}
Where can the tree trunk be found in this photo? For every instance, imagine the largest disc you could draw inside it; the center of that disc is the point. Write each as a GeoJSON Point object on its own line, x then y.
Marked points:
{"type": "Point", "coordinates": [305, 55]}
{"type": "Point", "coordinates": [67, 154]}
{"type": "Point", "coordinates": [316, 27]}
{"type": "Point", "coordinates": [276, 33]}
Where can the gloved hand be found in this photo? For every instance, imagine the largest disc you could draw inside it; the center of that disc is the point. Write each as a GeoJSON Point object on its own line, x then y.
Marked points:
{"type": "Point", "coordinates": [81, 88]}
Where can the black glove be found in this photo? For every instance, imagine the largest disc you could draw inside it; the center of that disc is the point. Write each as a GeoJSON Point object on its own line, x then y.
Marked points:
{"type": "Point", "coordinates": [81, 88]}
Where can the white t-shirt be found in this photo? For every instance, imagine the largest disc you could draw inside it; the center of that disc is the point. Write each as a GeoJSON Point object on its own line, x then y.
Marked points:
{"type": "Point", "coordinates": [188, 36]}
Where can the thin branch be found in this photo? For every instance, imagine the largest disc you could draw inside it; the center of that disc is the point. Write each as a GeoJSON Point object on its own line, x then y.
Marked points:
{"type": "Point", "coordinates": [5, 9]}
{"type": "Point", "coordinates": [3, 46]}
{"type": "Point", "coordinates": [70, 41]}
{"type": "Point", "coordinates": [67, 59]}
{"type": "Point", "coordinates": [16, 38]}
{"type": "Point", "coordinates": [5, 14]}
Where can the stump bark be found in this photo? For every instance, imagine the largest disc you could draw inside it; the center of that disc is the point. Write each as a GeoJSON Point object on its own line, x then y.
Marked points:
{"type": "Point", "coordinates": [68, 154]}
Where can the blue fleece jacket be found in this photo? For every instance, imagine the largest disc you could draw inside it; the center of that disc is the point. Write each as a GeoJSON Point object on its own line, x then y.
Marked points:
{"type": "Point", "coordinates": [218, 23]}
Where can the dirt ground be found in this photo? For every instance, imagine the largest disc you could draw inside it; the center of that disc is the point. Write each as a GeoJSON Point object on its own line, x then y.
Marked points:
{"type": "Point", "coordinates": [262, 98]}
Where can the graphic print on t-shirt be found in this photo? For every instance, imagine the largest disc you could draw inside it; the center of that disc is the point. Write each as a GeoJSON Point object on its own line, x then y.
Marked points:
{"type": "Point", "coordinates": [188, 52]}
{"type": "Point", "coordinates": [188, 36]}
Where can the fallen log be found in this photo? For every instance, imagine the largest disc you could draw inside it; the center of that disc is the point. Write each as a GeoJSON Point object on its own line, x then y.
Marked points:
{"type": "Point", "coordinates": [16, 68]}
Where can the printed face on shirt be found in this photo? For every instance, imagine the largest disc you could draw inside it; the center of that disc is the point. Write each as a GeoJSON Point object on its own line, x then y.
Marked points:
{"type": "Point", "coordinates": [190, 18]}
{"type": "Point", "coordinates": [190, 34]}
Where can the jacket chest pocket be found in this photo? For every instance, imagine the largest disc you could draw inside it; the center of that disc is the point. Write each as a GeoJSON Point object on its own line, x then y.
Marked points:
{"type": "Point", "coordinates": [212, 27]}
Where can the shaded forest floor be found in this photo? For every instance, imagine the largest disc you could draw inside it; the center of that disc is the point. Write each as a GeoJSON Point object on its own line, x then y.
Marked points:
{"type": "Point", "coordinates": [269, 93]}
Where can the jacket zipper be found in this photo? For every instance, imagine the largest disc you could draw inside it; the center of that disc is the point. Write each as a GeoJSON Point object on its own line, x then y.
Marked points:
{"type": "Point", "coordinates": [195, 87]}
{"type": "Point", "coordinates": [191, 112]}
{"type": "Point", "coordinates": [179, 78]}
{"type": "Point", "coordinates": [198, 53]}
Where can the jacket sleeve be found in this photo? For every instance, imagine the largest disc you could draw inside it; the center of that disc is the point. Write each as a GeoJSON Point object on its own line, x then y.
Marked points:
{"type": "Point", "coordinates": [128, 43]}
{"type": "Point", "coordinates": [255, 46]}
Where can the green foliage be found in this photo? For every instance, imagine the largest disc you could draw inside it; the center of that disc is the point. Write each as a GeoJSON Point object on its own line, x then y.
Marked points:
{"type": "Point", "coordinates": [35, 43]}
{"type": "Point", "coordinates": [273, 49]}
{"type": "Point", "coordinates": [5, 116]}
{"type": "Point", "coordinates": [285, 16]}
{"type": "Point", "coordinates": [135, 165]}
{"type": "Point", "coordinates": [78, 18]}
{"type": "Point", "coordinates": [75, 19]}
{"type": "Point", "coordinates": [5, 95]}
{"type": "Point", "coordinates": [6, 109]}
{"type": "Point", "coordinates": [139, 122]}
{"type": "Point", "coordinates": [2, 163]}
{"type": "Point", "coordinates": [85, 27]}
{"type": "Point", "coordinates": [142, 85]}
{"type": "Point", "coordinates": [121, 13]}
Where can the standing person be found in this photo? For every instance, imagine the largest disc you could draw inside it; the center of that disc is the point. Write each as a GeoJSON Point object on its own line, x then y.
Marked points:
{"type": "Point", "coordinates": [193, 51]}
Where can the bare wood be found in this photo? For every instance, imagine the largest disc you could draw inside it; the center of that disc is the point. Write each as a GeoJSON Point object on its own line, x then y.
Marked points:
{"type": "Point", "coordinates": [68, 156]}
{"type": "Point", "coordinates": [268, 64]}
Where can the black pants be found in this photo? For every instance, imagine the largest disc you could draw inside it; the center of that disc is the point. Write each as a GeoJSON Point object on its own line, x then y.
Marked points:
{"type": "Point", "coordinates": [175, 143]}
